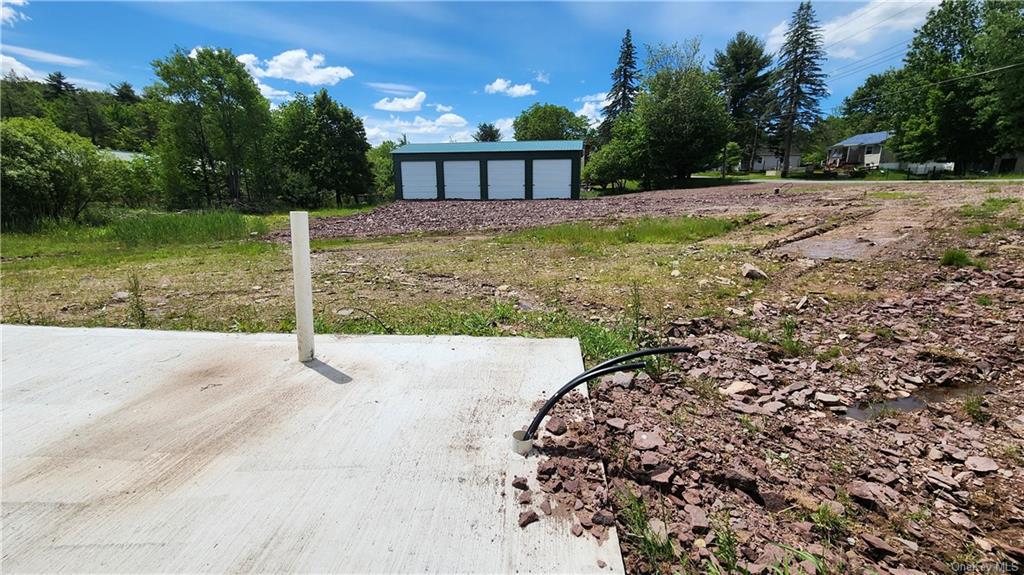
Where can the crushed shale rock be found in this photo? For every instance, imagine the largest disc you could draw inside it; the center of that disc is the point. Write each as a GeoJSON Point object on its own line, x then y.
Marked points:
{"type": "Point", "coordinates": [775, 464]}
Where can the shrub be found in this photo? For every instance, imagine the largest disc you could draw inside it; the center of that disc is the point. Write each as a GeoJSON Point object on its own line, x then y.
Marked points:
{"type": "Point", "coordinates": [46, 173]}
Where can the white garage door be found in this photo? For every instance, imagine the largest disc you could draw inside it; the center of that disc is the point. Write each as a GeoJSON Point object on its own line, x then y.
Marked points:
{"type": "Point", "coordinates": [552, 179]}
{"type": "Point", "coordinates": [506, 179]}
{"type": "Point", "coordinates": [419, 180]}
{"type": "Point", "coordinates": [462, 180]}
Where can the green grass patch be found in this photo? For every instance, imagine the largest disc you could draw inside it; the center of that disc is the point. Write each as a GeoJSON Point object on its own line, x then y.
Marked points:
{"type": "Point", "coordinates": [187, 228]}
{"type": "Point", "coordinates": [644, 231]}
{"type": "Point", "coordinates": [895, 195]}
{"type": "Point", "coordinates": [501, 318]}
{"type": "Point", "coordinates": [280, 220]}
{"type": "Point", "coordinates": [654, 547]}
{"type": "Point", "coordinates": [987, 209]}
{"type": "Point", "coordinates": [956, 258]}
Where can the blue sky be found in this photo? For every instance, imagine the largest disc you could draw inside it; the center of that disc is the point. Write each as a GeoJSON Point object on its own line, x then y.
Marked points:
{"type": "Point", "coordinates": [429, 70]}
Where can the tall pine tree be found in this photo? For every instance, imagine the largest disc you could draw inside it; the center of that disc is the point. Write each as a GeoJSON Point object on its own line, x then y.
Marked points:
{"type": "Point", "coordinates": [746, 80]}
{"type": "Point", "coordinates": [625, 86]}
{"type": "Point", "coordinates": [801, 83]}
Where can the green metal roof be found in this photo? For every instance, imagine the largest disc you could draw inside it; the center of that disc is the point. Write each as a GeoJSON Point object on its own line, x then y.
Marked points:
{"type": "Point", "coordinates": [477, 147]}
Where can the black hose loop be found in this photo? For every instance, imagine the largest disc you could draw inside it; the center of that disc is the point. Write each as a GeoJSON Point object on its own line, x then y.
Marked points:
{"type": "Point", "coordinates": [603, 368]}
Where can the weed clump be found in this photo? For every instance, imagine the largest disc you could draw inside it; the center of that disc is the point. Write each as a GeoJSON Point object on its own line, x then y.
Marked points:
{"type": "Point", "coordinates": [956, 258]}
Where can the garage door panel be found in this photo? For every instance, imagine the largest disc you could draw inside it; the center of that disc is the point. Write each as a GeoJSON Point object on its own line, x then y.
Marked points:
{"type": "Point", "coordinates": [462, 180]}
{"type": "Point", "coordinates": [552, 179]}
{"type": "Point", "coordinates": [419, 180]}
{"type": "Point", "coordinates": [506, 179]}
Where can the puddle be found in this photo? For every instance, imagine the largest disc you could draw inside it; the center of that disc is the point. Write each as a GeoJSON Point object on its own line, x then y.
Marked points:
{"type": "Point", "coordinates": [919, 400]}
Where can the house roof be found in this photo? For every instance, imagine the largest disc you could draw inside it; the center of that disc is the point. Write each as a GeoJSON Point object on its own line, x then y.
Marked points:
{"type": "Point", "coordinates": [476, 147]}
{"type": "Point", "coordinates": [864, 139]}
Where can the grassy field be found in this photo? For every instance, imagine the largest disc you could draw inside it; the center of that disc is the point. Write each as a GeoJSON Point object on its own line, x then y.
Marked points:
{"type": "Point", "coordinates": [600, 283]}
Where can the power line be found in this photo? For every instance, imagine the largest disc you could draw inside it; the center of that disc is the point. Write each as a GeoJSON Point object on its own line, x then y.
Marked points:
{"type": "Point", "coordinates": [865, 66]}
{"type": "Point", "coordinates": [900, 44]}
{"type": "Point", "coordinates": [939, 83]}
{"type": "Point", "coordinates": [862, 30]}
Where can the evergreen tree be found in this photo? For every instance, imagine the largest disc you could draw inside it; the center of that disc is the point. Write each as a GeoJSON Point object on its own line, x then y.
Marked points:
{"type": "Point", "coordinates": [746, 81]}
{"type": "Point", "coordinates": [125, 93]}
{"type": "Point", "coordinates": [57, 85]}
{"type": "Point", "coordinates": [487, 133]}
{"type": "Point", "coordinates": [801, 83]}
{"type": "Point", "coordinates": [625, 87]}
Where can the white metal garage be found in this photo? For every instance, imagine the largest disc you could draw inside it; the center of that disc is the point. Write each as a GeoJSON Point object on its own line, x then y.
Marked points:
{"type": "Point", "coordinates": [506, 179]}
{"type": "Point", "coordinates": [489, 170]}
{"type": "Point", "coordinates": [552, 179]}
{"type": "Point", "coordinates": [419, 180]}
{"type": "Point", "coordinates": [462, 180]}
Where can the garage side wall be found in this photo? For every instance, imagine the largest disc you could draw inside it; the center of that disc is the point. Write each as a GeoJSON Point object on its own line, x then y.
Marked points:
{"type": "Point", "coordinates": [576, 158]}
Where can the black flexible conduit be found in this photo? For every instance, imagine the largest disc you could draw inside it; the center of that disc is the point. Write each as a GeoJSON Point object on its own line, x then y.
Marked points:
{"type": "Point", "coordinates": [604, 368]}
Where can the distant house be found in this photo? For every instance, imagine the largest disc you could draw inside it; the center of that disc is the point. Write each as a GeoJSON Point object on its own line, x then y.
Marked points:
{"type": "Point", "coordinates": [766, 160]}
{"type": "Point", "coordinates": [862, 151]}
{"type": "Point", "coordinates": [122, 155]}
{"type": "Point", "coordinates": [870, 151]}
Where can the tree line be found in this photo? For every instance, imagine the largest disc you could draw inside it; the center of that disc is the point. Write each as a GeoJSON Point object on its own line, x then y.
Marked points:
{"type": "Point", "coordinates": [958, 96]}
{"type": "Point", "coordinates": [205, 138]}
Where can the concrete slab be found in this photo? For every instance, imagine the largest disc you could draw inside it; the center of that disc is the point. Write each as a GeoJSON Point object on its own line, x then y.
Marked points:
{"type": "Point", "coordinates": [144, 451]}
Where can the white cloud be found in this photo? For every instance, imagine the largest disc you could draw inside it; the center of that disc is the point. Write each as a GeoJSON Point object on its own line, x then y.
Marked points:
{"type": "Point", "coordinates": [298, 66]}
{"type": "Point", "coordinates": [843, 35]}
{"type": "Point", "coordinates": [396, 104]}
{"type": "Point", "coordinates": [10, 15]}
{"type": "Point", "coordinates": [498, 86]}
{"type": "Point", "coordinates": [451, 120]}
{"type": "Point", "coordinates": [272, 93]}
{"type": "Point", "coordinates": [521, 90]}
{"type": "Point", "coordinates": [393, 88]}
{"type": "Point", "coordinates": [443, 108]}
{"type": "Point", "coordinates": [505, 125]}
{"type": "Point", "coordinates": [47, 57]}
{"type": "Point", "coordinates": [503, 86]}
{"type": "Point", "coordinates": [542, 77]}
{"type": "Point", "coordinates": [598, 97]}
{"type": "Point", "coordinates": [593, 107]}
{"type": "Point", "coordinates": [441, 129]}
{"type": "Point", "coordinates": [10, 64]}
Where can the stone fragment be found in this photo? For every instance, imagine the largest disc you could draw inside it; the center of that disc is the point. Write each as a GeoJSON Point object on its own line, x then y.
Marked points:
{"type": "Point", "coordinates": [528, 517]}
{"type": "Point", "coordinates": [761, 372]}
{"type": "Point", "coordinates": [519, 483]}
{"type": "Point", "coordinates": [739, 387]}
{"type": "Point", "coordinates": [698, 519]}
{"type": "Point", "coordinates": [526, 497]}
{"type": "Point", "coordinates": [882, 475]}
{"type": "Point", "coordinates": [616, 423]}
{"type": "Point", "coordinates": [877, 546]}
{"type": "Point", "coordinates": [646, 440]}
{"type": "Point", "coordinates": [577, 529]}
{"type": "Point", "coordinates": [603, 517]}
{"type": "Point", "coordinates": [545, 506]}
{"type": "Point", "coordinates": [662, 474]}
{"type": "Point", "coordinates": [556, 426]}
{"type": "Point", "coordinates": [981, 464]}
{"type": "Point", "coordinates": [827, 398]}
{"type": "Point", "coordinates": [752, 272]}
{"type": "Point", "coordinates": [649, 459]}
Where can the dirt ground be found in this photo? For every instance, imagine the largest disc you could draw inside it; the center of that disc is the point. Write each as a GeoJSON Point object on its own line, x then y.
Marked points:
{"type": "Point", "coordinates": [765, 448]}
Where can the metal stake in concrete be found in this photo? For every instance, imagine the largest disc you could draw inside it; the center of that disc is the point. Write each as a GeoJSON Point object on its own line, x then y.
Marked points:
{"type": "Point", "coordinates": [303, 284]}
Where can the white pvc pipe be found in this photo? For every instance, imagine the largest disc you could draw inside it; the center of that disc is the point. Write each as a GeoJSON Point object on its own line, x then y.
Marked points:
{"type": "Point", "coordinates": [303, 284]}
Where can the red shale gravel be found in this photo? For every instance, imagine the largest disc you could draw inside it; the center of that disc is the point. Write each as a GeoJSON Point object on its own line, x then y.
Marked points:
{"type": "Point", "coordinates": [419, 217]}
